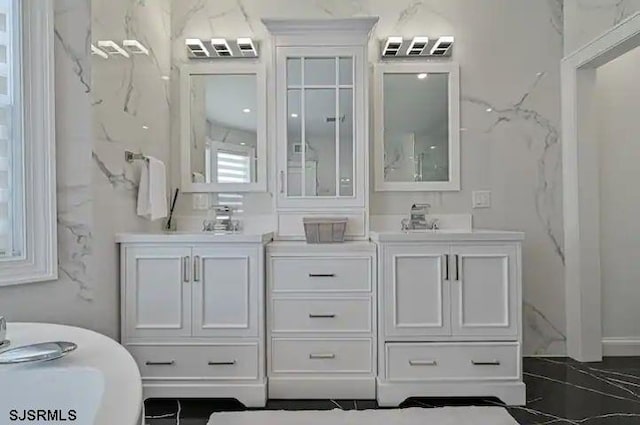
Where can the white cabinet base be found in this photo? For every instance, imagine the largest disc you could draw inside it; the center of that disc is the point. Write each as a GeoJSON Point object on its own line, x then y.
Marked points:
{"type": "Point", "coordinates": [250, 394]}
{"type": "Point", "coordinates": [392, 394]}
{"type": "Point", "coordinates": [322, 388]}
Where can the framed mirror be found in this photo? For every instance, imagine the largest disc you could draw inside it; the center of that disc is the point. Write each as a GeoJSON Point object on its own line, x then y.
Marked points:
{"type": "Point", "coordinates": [417, 127]}
{"type": "Point", "coordinates": [223, 128]}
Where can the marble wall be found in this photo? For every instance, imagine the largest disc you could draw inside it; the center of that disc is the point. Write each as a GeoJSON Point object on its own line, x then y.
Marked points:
{"type": "Point", "coordinates": [74, 298]}
{"type": "Point", "coordinates": [586, 19]}
{"type": "Point", "coordinates": [510, 119]}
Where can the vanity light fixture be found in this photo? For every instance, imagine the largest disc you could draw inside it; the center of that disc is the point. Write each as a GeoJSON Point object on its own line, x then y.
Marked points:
{"type": "Point", "coordinates": [246, 47]}
{"type": "Point", "coordinates": [417, 46]}
{"type": "Point", "coordinates": [422, 76]}
{"type": "Point", "coordinates": [392, 46]}
{"type": "Point", "coordinates": [112, 48]}
{"type": "Point", "coordinates": [135, 47]}
{"type": "Point", "coordinates": [442, 46]}
{"type": "Point", "coordinates": [197, 48]}
{"type": "Point", "coordinates": [98, 52]}
{"type": "Point", "coordinates": [221, 47]}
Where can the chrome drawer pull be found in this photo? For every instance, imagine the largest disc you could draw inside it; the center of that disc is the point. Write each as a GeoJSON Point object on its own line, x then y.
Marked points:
{"type": "Point", "coordinates": [169, 363]}
{"type": "Point", "coordinates": [322, 316]}
{"type": "Point", "coordinates": [231, 363]}
{"type": "Point", "coordinates": [491, 363]}
{"type": "Point", "coordinates": [423, 362]}
{"type": "Point", "coordinates": [322, 275]}
{"type": "Point", "coordinates": [322, 356]}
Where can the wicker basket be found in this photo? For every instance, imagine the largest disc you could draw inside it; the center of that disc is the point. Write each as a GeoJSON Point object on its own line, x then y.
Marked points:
{"type": "Point", "coordinates": [324, 229]}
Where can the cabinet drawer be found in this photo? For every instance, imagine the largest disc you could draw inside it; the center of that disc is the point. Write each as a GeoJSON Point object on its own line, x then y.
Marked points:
{"type": "Point", "coordinates": [201, 361]}
{"type": "Point", "coordinates": [434, 361]}
{"type": "Point", "coordinates": [321, 355]}
{"type": "Point", "coordinates": [320, 274]}
{"type": "Point", "coordinates": [321, 315]}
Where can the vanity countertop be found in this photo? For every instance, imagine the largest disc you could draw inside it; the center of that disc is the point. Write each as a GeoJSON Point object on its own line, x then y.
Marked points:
{"type": "Point", "coordinates": [194, 237]}
{"type": "Point", "coordinates": [446, 235]}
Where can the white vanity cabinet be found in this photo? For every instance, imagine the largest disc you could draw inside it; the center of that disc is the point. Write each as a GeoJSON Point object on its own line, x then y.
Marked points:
{"type": "Point", "coordinates": [450, 316]}
{"type": "Point", "coordinates": [319, 92]}
{"type": "Point", "coordinates": [193, 316]}
{"type": "Point", "coordinates": [321, 320]}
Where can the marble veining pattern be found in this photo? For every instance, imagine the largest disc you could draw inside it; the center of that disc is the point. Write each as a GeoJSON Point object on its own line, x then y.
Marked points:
{"type": "Point", "coordinates": [559, 391]}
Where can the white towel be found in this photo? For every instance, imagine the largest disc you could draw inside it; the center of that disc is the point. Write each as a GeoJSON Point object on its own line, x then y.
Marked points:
{"type": "Point", "coordinates": [152, 193]}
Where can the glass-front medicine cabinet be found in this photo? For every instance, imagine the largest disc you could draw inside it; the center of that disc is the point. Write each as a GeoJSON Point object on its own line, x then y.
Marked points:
{"type": "Point", "coordinates": [417, 125]}
{"type": "Point", "coordinates": [223, 128]}
{"type": "Point", "coordinates": [320, 113]}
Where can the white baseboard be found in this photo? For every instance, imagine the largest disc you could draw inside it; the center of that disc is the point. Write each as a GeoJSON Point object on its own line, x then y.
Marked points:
{"type": "Point", "coordinates": [621, 346]}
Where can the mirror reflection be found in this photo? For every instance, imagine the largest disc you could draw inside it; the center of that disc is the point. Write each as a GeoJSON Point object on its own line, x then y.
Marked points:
{"type": "Point", "coordinates": [416, 127]}
{"type": "Point", "coordinates": [223, 128]}
{"type": "Point", "coordinates": [320, 127]}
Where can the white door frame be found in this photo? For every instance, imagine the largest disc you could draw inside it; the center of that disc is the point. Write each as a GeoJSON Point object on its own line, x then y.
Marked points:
{"type": "Point", "coordinates": [581, 197]}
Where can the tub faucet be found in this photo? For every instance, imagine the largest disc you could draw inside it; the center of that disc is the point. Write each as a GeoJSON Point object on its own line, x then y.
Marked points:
{"type": "Point", "coordinates": [3, 331]}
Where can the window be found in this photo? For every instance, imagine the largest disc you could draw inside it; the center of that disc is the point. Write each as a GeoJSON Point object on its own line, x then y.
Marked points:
{"type": "Point", "coordinates": [27, 150]}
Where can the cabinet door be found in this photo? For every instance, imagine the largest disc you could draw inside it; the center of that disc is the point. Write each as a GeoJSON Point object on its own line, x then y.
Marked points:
{"type": "Point", "coordinates": [321, 116]}
{"type": "Point", "coordinates": [157, 291]}
{"type": "Point", "coordinates": [416, 295]}
{"type": "Point", "coordinates": [484, 290]}
{"type": "Point", "coordinates": [225, 291]}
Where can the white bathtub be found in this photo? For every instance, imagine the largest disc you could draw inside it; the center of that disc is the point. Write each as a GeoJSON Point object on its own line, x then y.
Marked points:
{"type": "Point", "coordinates": [98, 384]}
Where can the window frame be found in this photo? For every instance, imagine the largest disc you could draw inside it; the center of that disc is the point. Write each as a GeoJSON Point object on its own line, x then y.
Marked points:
{"type": "Point", "coordinates": [38, 259]}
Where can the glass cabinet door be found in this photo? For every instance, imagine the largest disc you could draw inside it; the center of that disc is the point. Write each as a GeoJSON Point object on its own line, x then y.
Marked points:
{"type": "Point", "coordinates": [320, 136]}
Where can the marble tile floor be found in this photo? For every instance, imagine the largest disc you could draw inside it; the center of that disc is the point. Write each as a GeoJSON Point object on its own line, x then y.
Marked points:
{"type": "Point", "coordinates": [559, 391]}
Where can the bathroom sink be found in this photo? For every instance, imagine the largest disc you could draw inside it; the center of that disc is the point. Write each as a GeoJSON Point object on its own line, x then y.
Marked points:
{"type": "Point", "coordinates": [39, 393]}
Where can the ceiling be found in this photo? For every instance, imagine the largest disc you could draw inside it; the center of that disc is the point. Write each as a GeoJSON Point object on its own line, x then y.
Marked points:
{"type": "Point", "coordinates": [227, 96]}
{"type": "Point", "coordinates": [411, 105]}
{"type": "Point", "coordinates": [415, 105]}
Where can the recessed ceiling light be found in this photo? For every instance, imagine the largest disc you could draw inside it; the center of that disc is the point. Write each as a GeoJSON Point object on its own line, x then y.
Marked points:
{"type": "Point", "coordinates": [242, 143]}
{"type": "Point", "coordinates": [165, 78]}
{"type": "Point", "coordinates": [145, 127]}
{"type": "Point", "coordinates": [221, 47]}
{"type": "Point", "coordinates": [246, 110]}
{"type": "Point", "coordinates": [197, 48]}
{"type": "Point", "coordinates": [294, 115]}
{"type": "Point", "coordinates": [135, 47]}
{"type": "Point", "coordinates": [392, 46]}
{"type": "Point", "coordinates": [417, 46]}
{"type": "Point", "coordinates": [442, 46]}
{"type": "Point", "coordinates": [112, 48]}
{"type": "Point", "coordinates": [98, 52]}
{"type": "Point", "coordinates": [422, 75]}
{"type": "Point", "coordinates": [432, 147]}
{"type": "Point", "coordinates": [246, 47]}
{"type": "Point", "coordinates": [489, 109]}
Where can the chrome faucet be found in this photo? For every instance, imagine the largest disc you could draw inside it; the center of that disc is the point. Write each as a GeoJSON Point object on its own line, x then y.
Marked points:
{"type": "Point", "coordinates": [418, 219]}
{"type": "Point", "coordinates": [3, 332]}
{"type": "Point", "coordinates": [221, 221]}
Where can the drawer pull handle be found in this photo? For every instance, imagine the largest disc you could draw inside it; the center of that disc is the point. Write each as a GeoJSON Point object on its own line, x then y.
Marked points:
{"type": "Point", "coordinates": [169, 363]}
{"type": "Point", "coordinates": [231, 363]}
{"type": "Point", "coordinates": [491, 363]}
{"type": "Point", "coordinates": [322, 356]}
{"type": "Point", "coordinates": [322, 316]}
{"type": "Point", "coordinates": [423, 362]}
{"type": "Point", "coordinates": [322, 275]}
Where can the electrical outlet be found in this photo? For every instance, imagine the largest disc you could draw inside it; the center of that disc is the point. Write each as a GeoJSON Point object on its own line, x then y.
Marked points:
{"type": "Point", "coordinates": [481, 199]}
